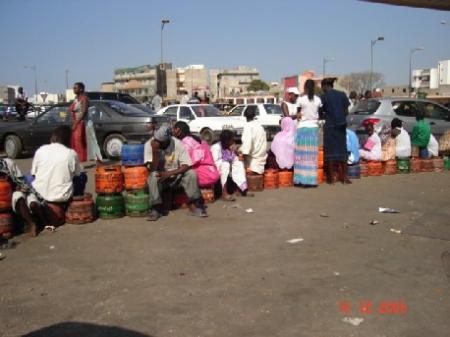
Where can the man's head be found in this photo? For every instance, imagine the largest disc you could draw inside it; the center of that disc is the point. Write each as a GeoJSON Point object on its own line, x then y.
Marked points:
{"type": "Point", "coordinates": [250, 113]}
{"type": "Point", "coordinates": [420, 115]}
{"type": "Point", "coordinates": [370, 128]}
{"type": "Point", "coordinates": [78, 88]}
{"type": "Point", "coordinates": [353, 95]}
{"type": "Point", "coordinates": [20, 90]}
{"type": "Point", "coordinates": [163, 136]}
{"type": "Point", "coordinates": [328, 83]}
{"type": "Point", "coordinates": [396, 126]}
{"type": "Point", "coordinates": [226, 139]}
{"type": "Point", "coordinates": [181, 129]}
{"type": "Point", "coordinates": [293, 94]}
{"type": "Point", "coordinates": [368, 94]}
{"type": "Point", "coordinates": [61, 135]}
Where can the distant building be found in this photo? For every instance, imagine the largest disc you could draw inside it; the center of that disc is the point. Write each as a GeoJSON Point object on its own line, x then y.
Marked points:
{"type": "Point", "coordinates": [7, 94]}
{"type": "Point", "coordinates": [425, 78]}
{"type": "Point", "coordinates": [108, 87]}
{"type": "Point", "coordinates": [231, 82]}
{"type": "Point", "coordinates": [395, 91]}
{"type": "Point", "coordinates": [190, 79]}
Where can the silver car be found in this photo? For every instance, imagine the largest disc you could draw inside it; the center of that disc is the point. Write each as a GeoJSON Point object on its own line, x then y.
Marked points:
{"type": "Point", "coordinates": [385, 109]}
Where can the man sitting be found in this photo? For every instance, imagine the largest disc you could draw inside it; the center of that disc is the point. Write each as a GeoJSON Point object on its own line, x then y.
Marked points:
{"type": "Point", "coordinates": [421, 134]}
{"type": "Point", "coordinates": [254, 143]}
{"type": "Point", "coordinates": [54, 167]}
{"type": "Point", "coordinates": [372, 147]}
{"type": "Point", "coordinates": [171, 168]}
{"type": "Point", "coordinates": [402, 140]}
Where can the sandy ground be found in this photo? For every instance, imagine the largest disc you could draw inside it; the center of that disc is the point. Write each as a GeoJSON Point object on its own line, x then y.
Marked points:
{"type": "Point", "coordinates": [234, 274]}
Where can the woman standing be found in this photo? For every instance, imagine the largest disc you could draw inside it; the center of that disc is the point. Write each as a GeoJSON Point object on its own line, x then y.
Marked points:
{"type": "Point", "coordinates": [290, 106]}
{"type": "Point", "coordinates": [335, 107]}
{"type": "Point", "coordinates": [78, 110]}
{"type": "Point", "coordinates": [306, 140]}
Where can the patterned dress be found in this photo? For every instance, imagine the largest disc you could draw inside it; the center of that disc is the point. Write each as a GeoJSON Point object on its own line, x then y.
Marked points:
{"type": "Point", "coordinates": [78, 140]}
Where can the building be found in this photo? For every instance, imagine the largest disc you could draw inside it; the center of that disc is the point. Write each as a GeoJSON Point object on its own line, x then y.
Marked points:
{"type": "Point", "coordinates": [7, 94]}
{"type": "Point", "coordinates": [108, 87]}
{"type": "Point", "coordinates": [425, 79]}
{"type": "Point", "coordinates": [231, 82]}
{"type": "Point", "coordinates": [142, 82]}
{"type": "Point", "coordinates": [190, 79]}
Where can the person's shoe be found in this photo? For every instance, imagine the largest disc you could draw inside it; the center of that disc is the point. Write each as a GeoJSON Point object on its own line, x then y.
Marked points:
{"type": "Point", "coordinates": [199, 212]}
{"type": "Point", "coordinates": [153, 215]}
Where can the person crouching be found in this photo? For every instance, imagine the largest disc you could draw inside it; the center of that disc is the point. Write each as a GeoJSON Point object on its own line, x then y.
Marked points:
{"type": "Point", "coordinates": [171, 168]}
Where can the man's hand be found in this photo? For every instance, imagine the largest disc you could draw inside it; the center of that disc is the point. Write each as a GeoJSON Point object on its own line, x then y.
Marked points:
{"type": "Point", "coordinates": [163, 175]}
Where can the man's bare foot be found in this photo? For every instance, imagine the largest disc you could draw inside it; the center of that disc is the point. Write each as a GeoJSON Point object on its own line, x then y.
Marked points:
{"type": "Point", "coordinates": [34, 231]}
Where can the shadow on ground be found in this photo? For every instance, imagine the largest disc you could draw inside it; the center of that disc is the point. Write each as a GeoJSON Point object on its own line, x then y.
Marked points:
{"type": "Point", "coordinates": [77, 329]}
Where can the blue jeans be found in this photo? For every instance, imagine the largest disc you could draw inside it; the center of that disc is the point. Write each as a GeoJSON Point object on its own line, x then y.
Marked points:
{"type": "Point", "coordinates": [423, 152]}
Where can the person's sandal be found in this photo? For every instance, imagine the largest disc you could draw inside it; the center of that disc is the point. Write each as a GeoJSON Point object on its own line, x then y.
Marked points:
{"type": "Point", "coordinates": [200, 213]}
{"type": "Point", "coordinates": [153, 215]}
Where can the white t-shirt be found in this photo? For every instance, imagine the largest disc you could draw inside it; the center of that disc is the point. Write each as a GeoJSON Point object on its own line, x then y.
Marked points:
{"type": "Point", "coordinates": [403, 145]}
{"type": "Point", "coordinates": [292, 107]}
{"type": "Point", "coordinates": [254, 144]}
{"type": "Point", "coordinates": [309, 111]}
{"type": "Point", "coordinates": [54, 167]}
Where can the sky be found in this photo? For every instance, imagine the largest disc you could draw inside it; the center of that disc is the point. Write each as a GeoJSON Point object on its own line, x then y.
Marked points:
{"type": "Point", "coordinates": [91, 38]}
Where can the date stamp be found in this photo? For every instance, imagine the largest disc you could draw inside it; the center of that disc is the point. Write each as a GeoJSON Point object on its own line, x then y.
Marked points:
{"type": "Point", "coordinates": [367, 307]}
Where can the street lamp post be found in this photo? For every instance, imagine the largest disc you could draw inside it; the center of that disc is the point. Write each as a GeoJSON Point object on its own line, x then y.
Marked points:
{"type": "Point", "coordinates": [35, 78]}
{"type": "Point", "coordinates": [324, 63]}
{"type": "Point", "coordinates": [163, 22]}
{"type": "Point", "coordinates": [410, 68]}
{"type": "Point", "coordinates": [67, 78]}
{"type": "Point", "coordinates": [372, 44]}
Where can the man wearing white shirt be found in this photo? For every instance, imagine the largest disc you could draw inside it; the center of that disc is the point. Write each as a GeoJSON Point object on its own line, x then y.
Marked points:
{"type": "Point", "coordinates": [402, 139]}
{"type": "Point", "coordinates": [254, 143]}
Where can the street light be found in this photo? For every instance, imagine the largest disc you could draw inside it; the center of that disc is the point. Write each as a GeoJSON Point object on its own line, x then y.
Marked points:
{"type": "Point", "coordinates": [67, 78]}
{"type": "Point", "coordinates": [163, 22]}
{"type": "Point", "coordinates": [372, 43]}
{"type": "Point", "coordinates": [35, 78]}
{"type": "Point", "coordinates": [410, 67]}
{"type": "Point", "coordinates": [325, 61]}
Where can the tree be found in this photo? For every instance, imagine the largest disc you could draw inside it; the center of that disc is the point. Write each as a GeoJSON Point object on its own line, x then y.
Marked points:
{"type": "Point", "coordinates": [258, 85]}
{"type": "Point", "coordinates": [360, 82]}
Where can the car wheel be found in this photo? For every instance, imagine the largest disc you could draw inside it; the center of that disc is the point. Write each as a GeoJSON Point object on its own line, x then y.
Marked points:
{"type": "Point", "coordinates": [13, 146]}
{"type": "Point", "coordinates": [112, 146]}
{"type": "Point", "coordinates": [207, 135]}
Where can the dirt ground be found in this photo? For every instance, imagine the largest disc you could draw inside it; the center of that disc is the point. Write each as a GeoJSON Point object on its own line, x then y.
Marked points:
{"type": "Point", "coordinates": [235, 274]}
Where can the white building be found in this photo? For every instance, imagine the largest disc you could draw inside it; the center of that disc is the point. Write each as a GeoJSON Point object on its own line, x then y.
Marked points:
{"type": "Point", "coordinates": [425, 78]}
{"type": "Point", "coordinates": [231, 82]}
{"type": "Point", "coordinates": [444, 72]}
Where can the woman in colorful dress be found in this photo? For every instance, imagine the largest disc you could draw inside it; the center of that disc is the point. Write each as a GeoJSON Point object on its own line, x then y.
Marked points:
{"type": "Point", "coordinates": [78, 111]}
{"type": "Point", "coordinates": [306, 140]}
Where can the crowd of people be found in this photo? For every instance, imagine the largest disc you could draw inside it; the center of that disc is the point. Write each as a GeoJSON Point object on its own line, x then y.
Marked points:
{"type": "Point", "coordinates": [176, 158]}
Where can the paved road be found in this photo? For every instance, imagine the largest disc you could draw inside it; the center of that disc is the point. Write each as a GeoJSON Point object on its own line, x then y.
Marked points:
{"type": "Point", "coordinates": [234, 274]}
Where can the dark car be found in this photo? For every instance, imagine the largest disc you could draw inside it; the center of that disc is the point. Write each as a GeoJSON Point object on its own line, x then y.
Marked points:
{"type": "Point", "coordinates": [111, 96]}
{"type": "Point", "coordinates": [115, 123]}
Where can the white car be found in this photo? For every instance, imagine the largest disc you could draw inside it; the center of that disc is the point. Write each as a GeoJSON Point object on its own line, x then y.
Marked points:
{"type": "Point", "coordinates": [269, 115]}
{"type": "Point", "coordinates": [204, 120]}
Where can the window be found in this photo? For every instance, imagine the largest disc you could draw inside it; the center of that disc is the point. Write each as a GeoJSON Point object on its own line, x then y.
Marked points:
{"type": "Point", "coordinates": [260, 100]}
{"type": "Point", "coordinates": [171, 111]}
{"type": "Point", "coordinates": [58, 114]}
{"type": "Point", "coordinates": [122, 108]}
{"type": "Point", "coordinates": [405, 108]}
{"type": "Point", "coordinates": [95, 114]}
{"type": "Point", "coordinates": [250, 100]}
{"type": "Point", "coordinates": [206, 111]}
{"type": "Point", "coordinates": [366, 107]}
{"type": "Point", "coordinates": [273, 109]}
{"type": "Point", "coordinates": [254, 108]}
{"type": "Point", "coordinates": [237, 111]}
{"type": "Point", "coordinates": [185, 113]}
{"type": "Point", "coordinates": [434, 111]}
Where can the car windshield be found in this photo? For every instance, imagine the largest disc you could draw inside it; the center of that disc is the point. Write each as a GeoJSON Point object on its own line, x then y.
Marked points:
{"type": "Point", "coordinates": [273, 109]}
{"type": "Point", "coordinates": [206, 111]}
{"type": "Point", "coordinates": [365, 107]}
{"type": "Point", "coordinates": [123, 108]}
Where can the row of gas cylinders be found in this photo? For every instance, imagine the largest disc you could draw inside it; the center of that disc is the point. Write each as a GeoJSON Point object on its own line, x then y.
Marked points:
{"type": "Point", "coordinates": [6, 215]}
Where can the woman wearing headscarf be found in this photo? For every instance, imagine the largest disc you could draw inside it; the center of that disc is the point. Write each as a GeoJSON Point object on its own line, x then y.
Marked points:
{"type": "Point", "coordinates": [384, 130]}
{"type": "Point", "coordinates": [283, 144]}
{"type": "Point", "coordinates": [306, 139]}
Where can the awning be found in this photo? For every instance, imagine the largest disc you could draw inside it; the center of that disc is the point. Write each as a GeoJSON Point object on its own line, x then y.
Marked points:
{"type": "Point", "coordinates": [443, 5]}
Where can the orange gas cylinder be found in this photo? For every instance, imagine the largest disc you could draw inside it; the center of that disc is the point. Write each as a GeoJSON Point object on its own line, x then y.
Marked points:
{"type": "Point", "coordinates": [208, 194]}
{"type": "Point", "coordinates": [390, 167]}
{"type": "Point", "coordinates": [135, 177]}
{"type": "Point", "coordinates": [6, 225]}
{"type": "Point", "coordinates": [375, 168]}
{"type": "Point", "coordinates": [364, 169]}
{"type": "Point", "coordinates": [285, 178]}
{"type": "Point", "coordinates": [416, 165]}
{"type": "Point", "coordinates": [271, 179]}
{"type": "Point", "coordinates": [320, 157]}
{"type": "Point", "coordinates": [426, 165]}
{"type": "Point", "coordinates": [56, 213]}
{"type": "Point", "coordinates": [438, 164]}
{"type": "Point", "coordinates": [5, 193]}
{"type": "Point", "coordinates": [81, 210]}
{"type": "Point", "coordinates": [108, 179]}
{"type": "Point", "coordinates": [255, 182]}
{"type": "Point", "coordinates": [320, 176]}
{"type": "Point", "coordinates": [180, 199]}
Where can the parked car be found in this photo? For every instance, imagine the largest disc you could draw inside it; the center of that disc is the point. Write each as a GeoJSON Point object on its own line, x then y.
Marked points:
{"type": "Point", "coordinates": [204, 120]}
{"type": "Point", "coordinates": [224, 108]}
{"type": "Point", "coordinates": [111, 96]}
{"type": "Point", "coordinates": [269, 115]}
{"type": "Point", "coordinates": [385, 109]}
{"type": "Point", "coordinates": [115, 123]}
